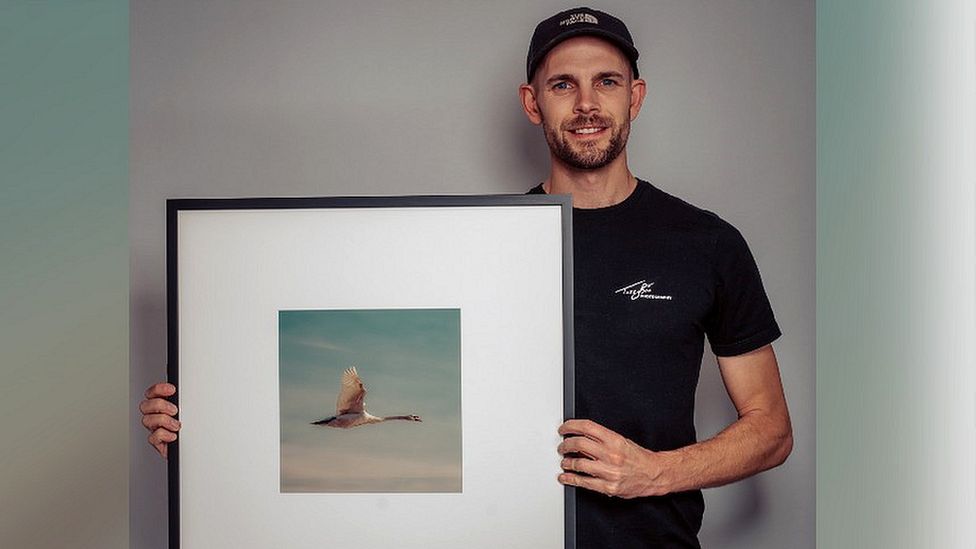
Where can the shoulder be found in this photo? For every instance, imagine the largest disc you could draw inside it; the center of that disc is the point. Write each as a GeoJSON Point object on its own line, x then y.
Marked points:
{"type": "Point", "coordinates": [717, 239]}
{"type": "Point", "coordinates": [677, 212]}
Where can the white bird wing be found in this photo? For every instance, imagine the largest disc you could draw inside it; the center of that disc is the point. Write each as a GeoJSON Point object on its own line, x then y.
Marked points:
{"type": "Point", "coordinates": [352, 396]}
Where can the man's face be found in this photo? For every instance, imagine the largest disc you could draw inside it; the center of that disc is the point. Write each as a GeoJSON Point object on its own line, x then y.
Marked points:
{"type": "Point", "coordinates": [585, 99]}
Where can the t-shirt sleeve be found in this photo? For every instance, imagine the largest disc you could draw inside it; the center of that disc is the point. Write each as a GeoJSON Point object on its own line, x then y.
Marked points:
{"type": "Point", "coordinates": [741, 319]}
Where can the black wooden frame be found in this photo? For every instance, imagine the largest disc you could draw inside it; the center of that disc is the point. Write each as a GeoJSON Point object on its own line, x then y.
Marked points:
{"type": "Point", "coordinates": [174, 206]}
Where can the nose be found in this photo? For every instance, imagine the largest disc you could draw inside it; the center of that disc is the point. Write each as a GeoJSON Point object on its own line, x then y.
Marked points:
{"type": "Point", "coordinates": [586, 100]}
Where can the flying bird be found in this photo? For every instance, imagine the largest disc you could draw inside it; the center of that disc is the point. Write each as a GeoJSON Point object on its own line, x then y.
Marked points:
{"type": "Point", "coordinates": [351, 405]}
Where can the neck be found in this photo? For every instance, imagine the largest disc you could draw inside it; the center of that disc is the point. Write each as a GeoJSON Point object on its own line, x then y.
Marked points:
{"type": "Point", "coordinates": [598, 188]}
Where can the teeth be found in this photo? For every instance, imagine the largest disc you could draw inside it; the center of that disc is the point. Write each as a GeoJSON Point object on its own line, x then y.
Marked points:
{"type": "Point", "coordinates": [587, 130]}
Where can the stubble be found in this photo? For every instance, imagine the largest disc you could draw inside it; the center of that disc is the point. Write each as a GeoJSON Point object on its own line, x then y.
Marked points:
{"type": "Point", "coordinates": [586, 155]}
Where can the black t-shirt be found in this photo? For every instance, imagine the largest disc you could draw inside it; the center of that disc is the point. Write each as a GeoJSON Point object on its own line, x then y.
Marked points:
{"type": "Point", "coordinates": [653, 276]}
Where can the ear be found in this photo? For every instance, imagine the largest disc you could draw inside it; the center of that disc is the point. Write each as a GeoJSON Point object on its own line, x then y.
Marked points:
{"type": "Point", "coordinates": [638, 89]}
{"type": "Point", "coordinates": [529, 104]}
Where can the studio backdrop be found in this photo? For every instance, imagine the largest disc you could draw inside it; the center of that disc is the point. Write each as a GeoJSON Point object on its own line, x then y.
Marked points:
{"type": "Point", "coordinates": [235, 98]}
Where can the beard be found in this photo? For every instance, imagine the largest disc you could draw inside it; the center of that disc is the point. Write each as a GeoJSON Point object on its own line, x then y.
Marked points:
{"type": "Point", "coordinates": [586, 155]}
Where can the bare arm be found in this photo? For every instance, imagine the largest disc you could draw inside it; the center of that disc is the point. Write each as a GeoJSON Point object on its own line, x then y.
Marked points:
{"type": "Point", "coordinates": [761, 438]}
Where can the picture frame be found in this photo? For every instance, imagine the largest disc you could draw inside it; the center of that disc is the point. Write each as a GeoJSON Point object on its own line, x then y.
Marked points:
{"type": "Point", "coordinates": [456, 307]}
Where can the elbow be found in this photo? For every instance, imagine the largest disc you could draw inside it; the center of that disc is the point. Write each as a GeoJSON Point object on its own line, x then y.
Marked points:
{"type": "Point", "coordinates": [784, 445]}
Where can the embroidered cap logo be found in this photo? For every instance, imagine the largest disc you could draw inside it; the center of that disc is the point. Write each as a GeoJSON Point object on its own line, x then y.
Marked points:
{"type": "Point", "coordinates": [579, 18]}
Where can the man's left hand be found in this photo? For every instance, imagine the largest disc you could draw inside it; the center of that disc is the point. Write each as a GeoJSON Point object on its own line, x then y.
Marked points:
{"type": "Point", "coordinates": [599, 459]}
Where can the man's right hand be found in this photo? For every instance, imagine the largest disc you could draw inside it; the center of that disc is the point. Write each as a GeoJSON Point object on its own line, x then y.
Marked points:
{"type": "Point", "coordinates": [157, 416]}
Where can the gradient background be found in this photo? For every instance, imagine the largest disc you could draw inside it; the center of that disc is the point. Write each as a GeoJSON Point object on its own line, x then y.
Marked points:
{"type": "Point", "coordinates": [895, 277]}
{"type": "Point", "coordinates": [410, 362]}
{"type": "Point", "coordinates": [64, 388]}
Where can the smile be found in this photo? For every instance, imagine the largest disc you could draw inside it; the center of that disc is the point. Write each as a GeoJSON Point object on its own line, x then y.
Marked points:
{"type": "Point", "coordinates": [586, 131]}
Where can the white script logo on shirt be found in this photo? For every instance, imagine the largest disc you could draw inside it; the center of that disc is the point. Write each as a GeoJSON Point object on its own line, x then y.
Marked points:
{"type": "Point", "coordinates": [641, 290]}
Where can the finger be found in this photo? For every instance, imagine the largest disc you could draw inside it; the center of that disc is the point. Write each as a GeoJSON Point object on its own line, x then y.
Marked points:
{"type": "Point", "coordinates": [160, 390]}
{"type": "Point", "coordinates": [587, 428]}
{"type": "Point", "coordinates": [162, 449]}
{"type": "Point", "coordinates": [586, 466]}
{"type": "Point", "coordinates": [158, 406]}
{"type": "Point", "coordinates": [161, 436]}
{"type": "Point", "coordinates": [579, 481]}
{"type": "Point", "coordinates": [582, 445]}
{"type": "Point", "coordinates": [157, 421]}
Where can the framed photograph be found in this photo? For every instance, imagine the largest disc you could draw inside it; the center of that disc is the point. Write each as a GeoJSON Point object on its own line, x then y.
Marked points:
{"type": "Point", "coordinates": [370, 372]}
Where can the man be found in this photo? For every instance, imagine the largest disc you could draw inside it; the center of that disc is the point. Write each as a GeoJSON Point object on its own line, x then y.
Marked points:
{"type": "Point", "coordinates": [653, 276]}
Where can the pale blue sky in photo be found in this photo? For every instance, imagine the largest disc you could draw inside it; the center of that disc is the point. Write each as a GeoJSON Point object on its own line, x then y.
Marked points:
{"type": "Point", "coordinates": [409, 361]}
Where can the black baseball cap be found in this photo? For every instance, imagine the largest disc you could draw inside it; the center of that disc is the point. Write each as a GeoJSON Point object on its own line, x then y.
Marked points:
{"type": "Point", "coordinates": [576, 22]}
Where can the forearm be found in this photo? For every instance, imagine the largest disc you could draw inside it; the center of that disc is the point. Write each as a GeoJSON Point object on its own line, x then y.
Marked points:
{"type": "Point", "coordinates": [602, 460]}
{"type": "Point", "coordinates": [754, 443]}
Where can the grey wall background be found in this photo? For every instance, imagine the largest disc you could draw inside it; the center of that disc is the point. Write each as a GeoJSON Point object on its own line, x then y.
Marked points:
{"type": "Point", "coordinates": [244, 98]}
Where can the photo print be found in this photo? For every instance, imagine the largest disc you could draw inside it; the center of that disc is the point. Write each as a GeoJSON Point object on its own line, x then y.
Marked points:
{"type": "Point", "coordinates": [370, 400]}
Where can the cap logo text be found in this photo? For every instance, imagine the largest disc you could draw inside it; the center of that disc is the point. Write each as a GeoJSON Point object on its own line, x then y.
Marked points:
{"type": "Point", "coordinates": [579, 18]}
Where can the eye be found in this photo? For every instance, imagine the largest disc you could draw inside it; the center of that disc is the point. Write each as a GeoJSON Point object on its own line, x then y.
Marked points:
{"type": "Point", "coordinates": [608, 83]}
{"type": "Point", "coordinates": [561, 86]}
